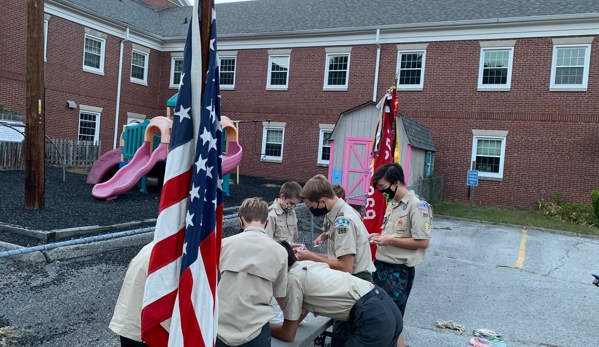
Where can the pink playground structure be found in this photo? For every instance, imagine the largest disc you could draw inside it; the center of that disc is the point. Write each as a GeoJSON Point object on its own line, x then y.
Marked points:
{"type": "Point", "coordinates": [145, 159]}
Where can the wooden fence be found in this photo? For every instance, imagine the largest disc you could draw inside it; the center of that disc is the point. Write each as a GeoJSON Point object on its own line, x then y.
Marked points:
{"type": "Point", "coordinates": [76, 153]}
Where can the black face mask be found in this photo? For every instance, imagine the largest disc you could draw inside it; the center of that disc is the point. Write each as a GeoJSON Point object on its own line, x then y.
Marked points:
{"type": "Point", "coordinates": [317, 212]}
{"type": "Point", "coordinates": [389, 193]}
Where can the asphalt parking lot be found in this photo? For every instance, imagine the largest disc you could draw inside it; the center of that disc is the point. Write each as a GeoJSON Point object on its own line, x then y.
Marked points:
{"type": "Point", "coordinates": [533, 287]}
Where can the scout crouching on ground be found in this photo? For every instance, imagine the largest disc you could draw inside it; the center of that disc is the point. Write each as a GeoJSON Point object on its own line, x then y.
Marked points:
{"type": "Point", "coordinates": [282, 220]}
{"type": "Point", "coordinates": [314, 287]}
{"type": "Point", "coordinates": [348, 250]}
{"type": "Point", "coordinates": [253, 269]}
{"type": "Point", "coordinates": [405, 236]}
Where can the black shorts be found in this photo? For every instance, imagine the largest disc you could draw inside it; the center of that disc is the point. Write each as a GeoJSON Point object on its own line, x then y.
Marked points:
{"type": "Point", "coordinates": [396, 280]}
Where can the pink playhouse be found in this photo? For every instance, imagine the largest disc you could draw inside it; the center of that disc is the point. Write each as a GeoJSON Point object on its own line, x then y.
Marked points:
{"type": "Point", "coordinates": [350, 159]}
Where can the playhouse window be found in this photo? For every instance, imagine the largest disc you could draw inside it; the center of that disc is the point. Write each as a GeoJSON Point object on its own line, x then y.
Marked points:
{"type": "Point", "coordinates": [272, 143]}
{"type": "Point", "coordinates": [278, 72]}
{"type": "Point", "coordinates": [176, 68]}
{"type": "Point", "coordinates": [227, 72]}
{"type": "Point", "coordinates": [93, 55]}
{"type": "Point", "coordinates": [495, 72]}
{"type": "Point", "coordinates": [337, 71]}
{"type": "Point", "coordinates": [324, 146]}
{"type": "Point", "coordinates": [139, 67]}
{"type": "Point", "coordinates": [410, 68]}
{"type": "Point", "coordinates": [429, 163]}
{"type": "Point", "coordinates": [570, 67]}
{"type": "Point", "coordinates": [489, 154]}
{"type": "Point", "coordinates": [88, 126]}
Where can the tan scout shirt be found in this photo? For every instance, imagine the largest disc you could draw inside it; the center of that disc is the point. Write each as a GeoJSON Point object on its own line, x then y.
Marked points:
{"type": "Point", "coordinates": [282, 226]}
{"type": "Point", "coordinates": [409, 218]}
{"type": "Point", "coordinates": [253, 269]}
{"type": "Point", "coordinates": [126, 320]}
{"type": "Point", "coordinates": [322, 291]}
{"type": "Point", "coordinates": [348, 235]}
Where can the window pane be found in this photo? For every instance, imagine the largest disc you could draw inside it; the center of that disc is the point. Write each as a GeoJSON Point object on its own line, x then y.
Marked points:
{"type": "Point", "coordinates": [177, 72]}
{"type": "Point", "coordinates": [273, 150]}
{"type": "Point", "coordinates": [93, 46]}
{"type": "Point", "coordinates": [87, 127]}
{"type": "Point", "coordinates": [137, 72]}
{"type": "Point", "coordinates": [411, 61]}
{"type": "Point", "coordinates": [569, 75]}
{"type": "Point", "coordinates": [227, 78]}
{"type": "Point", "coordinates": [410, 69]}
{"type": "Point", "coordinates": [337, 78]}
{"type": "Point", "coordinates": [495, 76]}
{"type": "Point", "coordinates": [409, 77]}
{"type": "Point", "coordinates": [338, 62]}
{"type": "Point", "coordinates": [487, 164]}
{"type": "Point", "coordinates": [138, 63]}
{"type": "Point", "coordinates": [275, 136]}
{"type": "Point", "coordinates": [278, 78]}
{"type": "Point", "coordinates": [326, 153]}
{"type": "Point", "coordinates": [227, 65]}
{"type": "Point", "coordinates": [488, 147]}
{"type": "Point", "coordinates": [91, 60]}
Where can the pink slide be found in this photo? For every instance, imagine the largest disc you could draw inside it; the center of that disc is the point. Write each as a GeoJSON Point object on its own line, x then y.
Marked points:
{"type": "Point", "coordinates": [107, 162]}
{"type": "Point", "coordinates": [232, 159]}
{"type": "Point", "coordinates": [128, 175]}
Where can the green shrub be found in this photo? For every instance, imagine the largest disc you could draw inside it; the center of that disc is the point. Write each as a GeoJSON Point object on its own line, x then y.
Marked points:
{"type": "Point", "coordinates": [595, 199]}
{"type": "Point", "coordinates": [569, 212]}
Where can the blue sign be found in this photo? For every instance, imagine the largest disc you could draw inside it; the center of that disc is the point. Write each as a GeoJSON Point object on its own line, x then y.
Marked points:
{"type": "Point", "coordinates": [472, 178]}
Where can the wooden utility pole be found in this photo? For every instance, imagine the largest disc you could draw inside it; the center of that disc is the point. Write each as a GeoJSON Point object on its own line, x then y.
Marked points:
{"type": "Point", "coordinates": [35, 190]}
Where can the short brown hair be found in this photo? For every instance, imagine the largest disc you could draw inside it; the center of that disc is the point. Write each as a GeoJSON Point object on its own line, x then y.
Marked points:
{"type": "Point", "coordinates": [316, 188]}
{"type": "Point", "coordinates": [253, 210]}
{"type": "Point", "coordinates": [291, 190]}
{"type": "Point", "coordinates": [339, 191]}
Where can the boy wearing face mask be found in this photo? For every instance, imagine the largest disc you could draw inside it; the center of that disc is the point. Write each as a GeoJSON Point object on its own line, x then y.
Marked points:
{"type": "Point", "coordinates": [348, 250]}
{"type": "Point", "coordinates": [282, 220]}
{"type": "Point", "coordinates": [253, 269]}
{"type": "Point", "coordinates": [406, 232]}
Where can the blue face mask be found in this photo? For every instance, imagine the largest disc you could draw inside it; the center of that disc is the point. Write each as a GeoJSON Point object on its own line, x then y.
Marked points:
{"type": "Point", "coordinates": [319, 211]}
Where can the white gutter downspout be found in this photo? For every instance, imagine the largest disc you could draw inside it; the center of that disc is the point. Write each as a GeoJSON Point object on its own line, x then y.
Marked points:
{"type": "Point", "coordinates": [378, 61]}
{"type": "Point", "coordinates": [118, 91]}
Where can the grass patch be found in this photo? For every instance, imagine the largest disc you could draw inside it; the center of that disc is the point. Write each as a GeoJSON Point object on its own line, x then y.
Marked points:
{"type": "Point", "coordinates": [510, 215]}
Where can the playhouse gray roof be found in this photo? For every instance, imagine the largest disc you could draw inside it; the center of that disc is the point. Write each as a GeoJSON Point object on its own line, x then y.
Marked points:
{"type": "Point", "coordinates": [419, 135]}
{"type": "Point", "coordinates": [275, 16]}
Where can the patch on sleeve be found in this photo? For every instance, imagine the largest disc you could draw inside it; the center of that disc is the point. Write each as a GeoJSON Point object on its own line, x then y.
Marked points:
{"type": "Point", "coordinates": [423, 206]}
{"type": "Point", "coordinates": [400, 223]}
{"type": "Point", "coordinates": [427, 226]}
{"type": "Point", "coordinates": [341, 230]}
{"type": "Point", "coordinates": [424, 214]}
{"type": "Point", "coordinates": [342, 222]}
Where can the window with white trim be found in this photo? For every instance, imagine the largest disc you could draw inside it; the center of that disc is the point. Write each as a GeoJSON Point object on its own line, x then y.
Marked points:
{"type": "Point", "coordinates": [336, 73]}
{"type": "Point", "coordinates": [495, 69]}
{"type": "Point", "coordinates": [324, 146]}
{"type": "Point", "coordinates": [176, 68]}
{"type": "Point", "coordinates": [139, 66]}
{"type": "Point", "coordinates": [278, 71]}
{"type": "Point", "coordinates": [489, 154]}
{"type": "Point", "coordinates": [272, 143]}
{"type": "Point", "coordinates": [89, 126]}
{"type": "Point", "coordinates": [410, 69]}
{"type": "Point", "coordinates": [45, 38]}
{"type": "Point", "coordinates": [227, 72]}
{"type": "Point", "coordinates": [93, 55]}
{"type": "Point", "coordinates": [570, 66]}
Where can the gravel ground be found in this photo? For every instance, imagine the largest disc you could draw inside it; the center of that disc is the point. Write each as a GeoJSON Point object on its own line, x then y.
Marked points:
{"type": "Point", "coordinates": [70, 204]}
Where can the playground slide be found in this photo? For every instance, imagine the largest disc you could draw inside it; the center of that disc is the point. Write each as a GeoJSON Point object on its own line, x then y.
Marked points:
{"type": "Point", "coordinates": [108, 161]}
{"type": "Point", "coordinates": [233, 159]}
{"type": "Point", "coordinates": [128, 175]}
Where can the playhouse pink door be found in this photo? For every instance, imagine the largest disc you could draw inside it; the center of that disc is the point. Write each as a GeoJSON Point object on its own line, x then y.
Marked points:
{"type": "Point", "coordinates": [356, 169]}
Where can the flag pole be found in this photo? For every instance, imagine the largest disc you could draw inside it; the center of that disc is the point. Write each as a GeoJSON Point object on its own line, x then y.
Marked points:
{"type": "Point", "coordinates": [206, 21]}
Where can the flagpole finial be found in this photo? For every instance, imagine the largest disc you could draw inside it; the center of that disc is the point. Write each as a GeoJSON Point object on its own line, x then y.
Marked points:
{"type": "Point", "coordinates": [394, 86]}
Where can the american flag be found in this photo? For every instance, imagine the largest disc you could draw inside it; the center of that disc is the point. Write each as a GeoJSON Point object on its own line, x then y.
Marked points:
{"type": "Point", "coordinates": [183, 269]}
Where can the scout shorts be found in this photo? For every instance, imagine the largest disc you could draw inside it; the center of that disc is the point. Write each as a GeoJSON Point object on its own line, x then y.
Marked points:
{"type": "Point", "coordinates": [396, 280]}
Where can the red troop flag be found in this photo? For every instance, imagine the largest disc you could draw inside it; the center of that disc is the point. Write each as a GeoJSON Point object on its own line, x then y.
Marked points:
{"type": "Point", "coordinates": [385, 149]}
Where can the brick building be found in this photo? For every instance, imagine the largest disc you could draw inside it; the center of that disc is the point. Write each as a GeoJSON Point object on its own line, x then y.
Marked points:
{"type": "Point", "coordinates": [514, 88]}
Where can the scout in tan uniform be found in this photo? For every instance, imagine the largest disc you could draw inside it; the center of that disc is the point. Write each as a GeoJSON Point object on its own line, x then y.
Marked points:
{"type": "Point", "coordinates": [253, 269]}
{"type": "Point", "coordinates": [126, 321]}
{"type": "Point", "coordinates": [405, 236]}
{"type": "Point", "coordinates": [374, 320]}
{"type": "Point", "coordinates": [282, 220]}
{"type": "Point", "coordinates": [349, 249]}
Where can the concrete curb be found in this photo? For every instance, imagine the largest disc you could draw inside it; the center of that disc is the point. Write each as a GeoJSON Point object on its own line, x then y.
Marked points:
{"type": "Point", "coordinates": [516, 226]}
{"type": "Point", "coordinates": [33, 257]}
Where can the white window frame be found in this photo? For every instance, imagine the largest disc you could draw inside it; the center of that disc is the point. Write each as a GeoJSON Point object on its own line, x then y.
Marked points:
{"type": "Point", "coordinates": [172, 84]}
{"type": "Point", "coordinates": [495, 87]}
{"type": "Point", "coordinates": [268, 77]}
{"type": "Point", "coordinates": [230, 86]}
{"type": "Point", "coordinates": [146, 55]}
{"type": "Point", "coordinates": [490, 135]}
{"type": "Point", "coordinates": [46, 39]}
{"type": "Point", "coordinates": [272, 126]}
{"type": "Point", "coordinates": [99, 70]}
{"type": "Point", "coordinates": [321, 133]}
{"type": "Point", "coordinates": [585, 77]}
{"type": "Point", "coordinates": [326, 85]}
{"type": "Point", "coordinates": [414, 87]}
{"type": "Point", "coordinates": [97, 130]}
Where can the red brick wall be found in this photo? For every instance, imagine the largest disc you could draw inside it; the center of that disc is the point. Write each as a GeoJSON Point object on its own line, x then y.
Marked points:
{"type": "Point", "coordinates": [13, 40]}
{"type": "Point", "coordinates": [159, 3]}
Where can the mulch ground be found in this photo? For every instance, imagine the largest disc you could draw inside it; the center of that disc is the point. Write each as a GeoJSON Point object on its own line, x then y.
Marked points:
{"type": "Point", "coordinates": [70, 204]}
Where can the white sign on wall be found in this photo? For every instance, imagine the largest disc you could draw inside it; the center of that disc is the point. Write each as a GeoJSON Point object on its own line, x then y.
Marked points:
{"type": "Point", "coordinates": [12, 133]}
